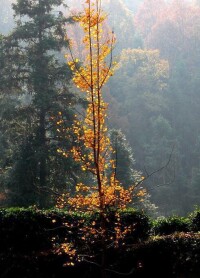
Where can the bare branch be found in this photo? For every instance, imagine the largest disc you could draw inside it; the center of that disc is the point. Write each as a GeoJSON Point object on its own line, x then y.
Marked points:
{"type": "Point", "coordinates": [110, 270]}
{"type": "Point", "coordinates": [148, 175]}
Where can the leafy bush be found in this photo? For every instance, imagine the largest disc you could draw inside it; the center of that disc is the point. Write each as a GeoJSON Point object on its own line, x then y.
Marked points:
{"type": "Point", "coordinates": [170, 225]}
{"type": "Point", "coordinates": [23, 229]}
{"type": "Point", "coordinates": [195, 220]}
{"type": "Point", "coordinates": [28, 230]}
{"type": "Point", "coordinates": [177, 255]}
{"type": "Point", "coordinates": [139, 222]}
{"type": "Point", "coordinates": [26, 244]}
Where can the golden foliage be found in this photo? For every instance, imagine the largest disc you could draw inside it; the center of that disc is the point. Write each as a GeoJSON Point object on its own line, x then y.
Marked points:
{"type": "Point", "coordinates": [105, 192]}
{"type": "Point", "coordinates": [92, 146]}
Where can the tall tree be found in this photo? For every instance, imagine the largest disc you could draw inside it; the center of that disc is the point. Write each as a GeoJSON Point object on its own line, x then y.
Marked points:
{"type": "Point", "coordinates": [104, 193]}
{"type": "Point", "coordinates": [38, 76]}
{"type": "Point", "coordinates": [8, 102]}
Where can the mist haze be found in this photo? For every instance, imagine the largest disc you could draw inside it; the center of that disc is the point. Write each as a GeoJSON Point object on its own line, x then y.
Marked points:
{"type": "Point", "coordinates": [154, 99]}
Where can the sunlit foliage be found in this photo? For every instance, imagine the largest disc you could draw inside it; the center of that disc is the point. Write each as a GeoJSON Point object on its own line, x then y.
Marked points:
{"type": "Point", "coordinates": [92, 144]}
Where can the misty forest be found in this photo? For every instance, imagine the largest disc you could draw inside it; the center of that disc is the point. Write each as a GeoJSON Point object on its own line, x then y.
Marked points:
{"type": "Point", "coordinates": [100, 138]}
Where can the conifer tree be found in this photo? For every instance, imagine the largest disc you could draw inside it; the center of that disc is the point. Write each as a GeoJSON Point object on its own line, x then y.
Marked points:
{"type": "Point", "coordinates": [39, 79]}
{"type": "Point", "coordinates": [125, 162]}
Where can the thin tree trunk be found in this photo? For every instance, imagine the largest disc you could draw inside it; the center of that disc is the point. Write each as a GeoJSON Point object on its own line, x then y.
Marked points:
{"type": "Point", "coordinates": [42, 160]}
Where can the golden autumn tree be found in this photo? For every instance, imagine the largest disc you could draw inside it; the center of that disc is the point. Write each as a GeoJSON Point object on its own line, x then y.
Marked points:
{"type": "Point", "coordinates": [92, 144]}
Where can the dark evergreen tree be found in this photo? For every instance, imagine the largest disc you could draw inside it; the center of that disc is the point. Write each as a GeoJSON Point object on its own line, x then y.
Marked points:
{"type": "Point", "coordinates": [126, 171]}
{"type": "Point", "coordinates": [125, 162]}
{"type": "Point", "coordinates": [7, 115]}
{"type": "Point", "coordinates": [39, 80]}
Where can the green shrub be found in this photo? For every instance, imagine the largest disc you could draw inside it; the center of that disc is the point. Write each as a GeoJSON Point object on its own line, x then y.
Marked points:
{"type": "Point", "coordinates": [139, 223]}
{"type": "Point", "coordinates": [23, 229]}
{"type": "Point", "coordinates": [195, 220]}
{"type": "Point", "coordinates": [176, 255]}
{"type": "Point", "coordinates": [28, 230]}
{"type": "Point", "coordinates": [26, 243]}
{"type": "Point", "coordinates": [170, 225]}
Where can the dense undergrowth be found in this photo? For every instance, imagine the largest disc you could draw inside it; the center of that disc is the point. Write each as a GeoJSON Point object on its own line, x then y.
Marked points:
{"type": "Point", "coordinates": [166, 247]}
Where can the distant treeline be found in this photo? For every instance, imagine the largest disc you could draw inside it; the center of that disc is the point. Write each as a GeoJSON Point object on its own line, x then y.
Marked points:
{"type": "Point", "coordinates": [153, 98]}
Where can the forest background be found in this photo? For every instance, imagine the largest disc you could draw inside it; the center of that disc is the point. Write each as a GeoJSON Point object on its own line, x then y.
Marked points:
{"type": "Point", "coordinates": [153, 99]}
